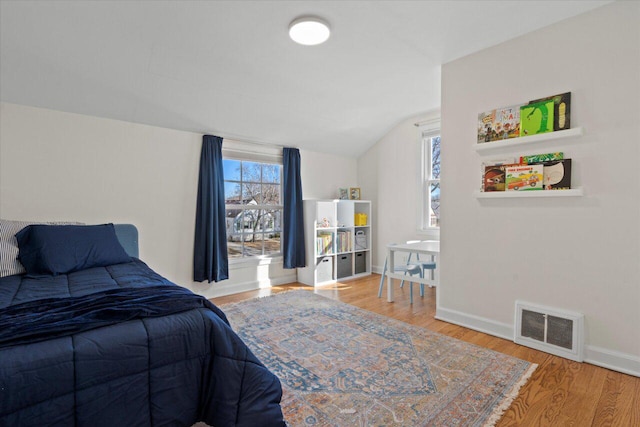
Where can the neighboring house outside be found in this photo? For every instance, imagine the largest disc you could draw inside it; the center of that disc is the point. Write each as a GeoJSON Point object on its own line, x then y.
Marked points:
{"type": "Point", "coordinates": [249, 224]}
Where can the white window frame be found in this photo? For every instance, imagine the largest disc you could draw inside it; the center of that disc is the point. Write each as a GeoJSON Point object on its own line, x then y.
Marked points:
{"type": "Point", "coordinates": [427, 130]}
{"type": "Point", "coordinates": [259, 153]}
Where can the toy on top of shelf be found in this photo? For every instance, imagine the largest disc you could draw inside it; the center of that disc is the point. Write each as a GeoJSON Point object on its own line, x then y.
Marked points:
{"type": "Point", "coordinates": [360, 219]}
{"type": "Point", "coordinates": [343, 193]}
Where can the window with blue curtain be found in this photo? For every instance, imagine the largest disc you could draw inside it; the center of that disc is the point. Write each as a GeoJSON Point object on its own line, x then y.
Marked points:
{"type": "Point", "coordinates": [210, 260]}
{"type": "Point", "coordinates": [293, 219]}
{"type": "Point", "coordinates": [253, 198]}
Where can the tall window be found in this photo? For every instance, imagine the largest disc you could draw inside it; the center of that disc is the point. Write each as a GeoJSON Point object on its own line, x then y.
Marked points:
{"type": "Point", "coordinates": [253, 198]}
{"type": "Point", "coordinates": [431, 179]}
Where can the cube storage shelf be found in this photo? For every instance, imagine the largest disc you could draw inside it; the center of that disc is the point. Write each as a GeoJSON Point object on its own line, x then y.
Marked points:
{"type": "Point", "coordinates": [336, 248]}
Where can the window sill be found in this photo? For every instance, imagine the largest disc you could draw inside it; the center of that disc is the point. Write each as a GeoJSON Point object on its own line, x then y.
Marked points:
{"type": "Point", "coordinates": [254, 261]}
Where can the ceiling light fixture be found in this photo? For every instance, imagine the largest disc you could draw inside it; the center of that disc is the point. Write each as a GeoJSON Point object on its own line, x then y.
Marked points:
{"type": "Point", "coordinates": [309, 30]}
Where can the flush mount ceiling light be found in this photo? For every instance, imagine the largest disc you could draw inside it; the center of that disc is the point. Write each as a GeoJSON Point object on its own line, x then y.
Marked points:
{"type": "Point", "coordinates": [309, 30]}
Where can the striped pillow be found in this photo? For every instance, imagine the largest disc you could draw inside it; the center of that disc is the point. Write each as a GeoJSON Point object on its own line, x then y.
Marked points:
{"type": "Point", "coordinates": [9, 264]}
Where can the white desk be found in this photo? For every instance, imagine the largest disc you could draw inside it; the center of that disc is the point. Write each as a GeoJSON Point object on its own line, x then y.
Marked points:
{"type": "Point", "coordinates": [427, 247]}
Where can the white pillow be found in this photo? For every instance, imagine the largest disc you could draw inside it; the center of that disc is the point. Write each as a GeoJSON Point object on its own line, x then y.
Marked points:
{"type": "Point", "coordinates": [9, 264]}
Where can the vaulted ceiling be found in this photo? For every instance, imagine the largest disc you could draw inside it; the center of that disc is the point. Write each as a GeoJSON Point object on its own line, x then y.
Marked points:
{"type": "Point", "coordinates": [229, 67]}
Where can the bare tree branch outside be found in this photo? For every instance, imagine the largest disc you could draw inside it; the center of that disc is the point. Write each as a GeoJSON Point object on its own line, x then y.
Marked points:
{"type": "Point", "coordinates": [254, 211]}
{"type": "Point", "coordinates": [434, 189]}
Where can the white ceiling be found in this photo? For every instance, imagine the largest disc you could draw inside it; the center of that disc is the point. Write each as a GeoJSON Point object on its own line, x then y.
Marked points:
{"type": "Point", "coordinates": [228, 67]}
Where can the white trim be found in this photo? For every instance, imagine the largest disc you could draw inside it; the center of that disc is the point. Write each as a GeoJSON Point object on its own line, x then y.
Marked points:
{"type": "Point", "coordinates": [428, 130]}
{"type": "Point", "coordinates": [477, 323]}
{"type": "Point", "coordinates": [243, 152]}
{"type": "Point", "coordinates": [616, 361]}
{"type": "Point", "coordinates": [240, 150]}
{"type": "Point", "coordinates": [429, 125]}
{"type": "Point", "coordinates": [220, 290]}
{"type": "Point", "coordinates": [254, 261]}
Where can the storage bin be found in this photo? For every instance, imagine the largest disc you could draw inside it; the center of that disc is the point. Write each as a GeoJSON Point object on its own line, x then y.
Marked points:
{"type": "Point", "coordinates": [360, 219]}
{"type": "Point", "coordinates": [324, 269]}
{"type": "Point", "coordinates": [361, 240]}
{"type": "Point", "coordinates": [360, 262]}
{"type": "Point", "coordinates": [344, 266]}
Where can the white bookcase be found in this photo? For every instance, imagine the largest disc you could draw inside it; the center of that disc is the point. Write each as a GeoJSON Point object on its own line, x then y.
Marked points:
{"type": "Point", "coordinates": [331, 234]}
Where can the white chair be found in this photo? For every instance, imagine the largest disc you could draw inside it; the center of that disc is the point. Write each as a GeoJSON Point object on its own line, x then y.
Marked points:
{"type": "Point", "coordinates": [408, 269]}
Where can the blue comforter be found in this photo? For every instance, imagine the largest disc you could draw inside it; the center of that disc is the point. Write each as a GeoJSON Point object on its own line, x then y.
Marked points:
{"type": "Point", "coordinates": [122, 346]}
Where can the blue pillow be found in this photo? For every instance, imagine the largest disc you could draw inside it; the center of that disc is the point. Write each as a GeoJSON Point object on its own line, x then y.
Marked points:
{"type": "Point", "coordinates": [61, 249]}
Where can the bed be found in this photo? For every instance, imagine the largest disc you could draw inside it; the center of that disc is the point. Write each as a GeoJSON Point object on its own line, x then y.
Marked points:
{"type": "Point", "coordinates": [85, 344]}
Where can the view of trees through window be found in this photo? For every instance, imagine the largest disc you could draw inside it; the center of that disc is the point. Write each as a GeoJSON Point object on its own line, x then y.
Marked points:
{"type": "Point", "coordinates": [253, 207]}
{"type": "Point", "coordinates": [432, 181]}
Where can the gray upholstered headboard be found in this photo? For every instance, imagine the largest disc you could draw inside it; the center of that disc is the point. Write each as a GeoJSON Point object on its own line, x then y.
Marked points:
{"type": "Point", "coordinates": [128, 236]}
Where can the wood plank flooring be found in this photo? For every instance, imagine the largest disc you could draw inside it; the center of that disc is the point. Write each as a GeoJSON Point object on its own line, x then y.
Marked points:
{"type": "Point", "coordinates": [560, 392]}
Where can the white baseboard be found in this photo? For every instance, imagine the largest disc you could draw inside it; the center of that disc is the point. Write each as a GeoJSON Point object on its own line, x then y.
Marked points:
{"type": "Point", "coordinates": [616, 361]}
{"type": "Point", "coordinates": [476, 323]}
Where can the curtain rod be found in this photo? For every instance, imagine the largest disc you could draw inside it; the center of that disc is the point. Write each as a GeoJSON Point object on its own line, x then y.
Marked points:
{"type": "Point", "coordinates": [432, 121]}
{"type": "Point", "coordinates": [244, 140]}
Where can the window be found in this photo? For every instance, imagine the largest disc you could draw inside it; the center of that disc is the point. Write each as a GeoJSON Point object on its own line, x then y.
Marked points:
{"type": "Point", "coordinates": [253, 199]}
{"type": "Point", "coordinates": [430, 188]}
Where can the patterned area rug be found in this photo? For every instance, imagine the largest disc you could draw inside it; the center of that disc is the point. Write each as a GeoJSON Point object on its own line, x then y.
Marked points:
{"type": "Point", "coordinates": [343, 366]}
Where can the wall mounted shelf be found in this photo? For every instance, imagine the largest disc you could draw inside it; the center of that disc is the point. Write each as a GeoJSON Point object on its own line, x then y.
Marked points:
{"type": "Point", "coordinates": [574, 192]}
{"type": "Point", "coordinates": [526, 140]}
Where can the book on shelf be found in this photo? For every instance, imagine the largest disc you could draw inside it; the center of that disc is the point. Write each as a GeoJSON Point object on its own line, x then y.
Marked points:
{"type": "Point", "coordinates": [557, 175]}
{"type": "Point", "coordinates": [561, 110]}
{"type": "Point", "coordinates": [524, 177]}
{"type": "Point", "coordinates": [324, 243]}
{"type": "Point", "coordinates": [501, 123]}
{"type": "Point", "coordinates": [343, 241]}
{"type": "Point", "coordinates": [492, 172]}
{"type": "Point", "coordinates": [540, 158]}
{"type": "Point", "coordinates": [537, 118]}
{"type": "Point", "coordinates": [494, 178]}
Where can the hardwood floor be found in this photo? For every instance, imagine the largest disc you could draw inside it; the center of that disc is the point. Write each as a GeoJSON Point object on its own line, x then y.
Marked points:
{"type": "Point", "coordinates": [560, 393]}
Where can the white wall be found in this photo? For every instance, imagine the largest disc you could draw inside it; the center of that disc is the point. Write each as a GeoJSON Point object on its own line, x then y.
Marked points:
{"type": "Point", "coordinates": [389, 176]}
{"type": "Point", "coordinates": [581, 253]}
{"type": "Point", "coordinates": [62, 166]}
{"type": "Point", "coordinates": [322, 174]}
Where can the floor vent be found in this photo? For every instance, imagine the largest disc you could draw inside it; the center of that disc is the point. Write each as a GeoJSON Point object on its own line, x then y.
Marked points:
{"type": "Point", "coordinates": [550, 330]}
